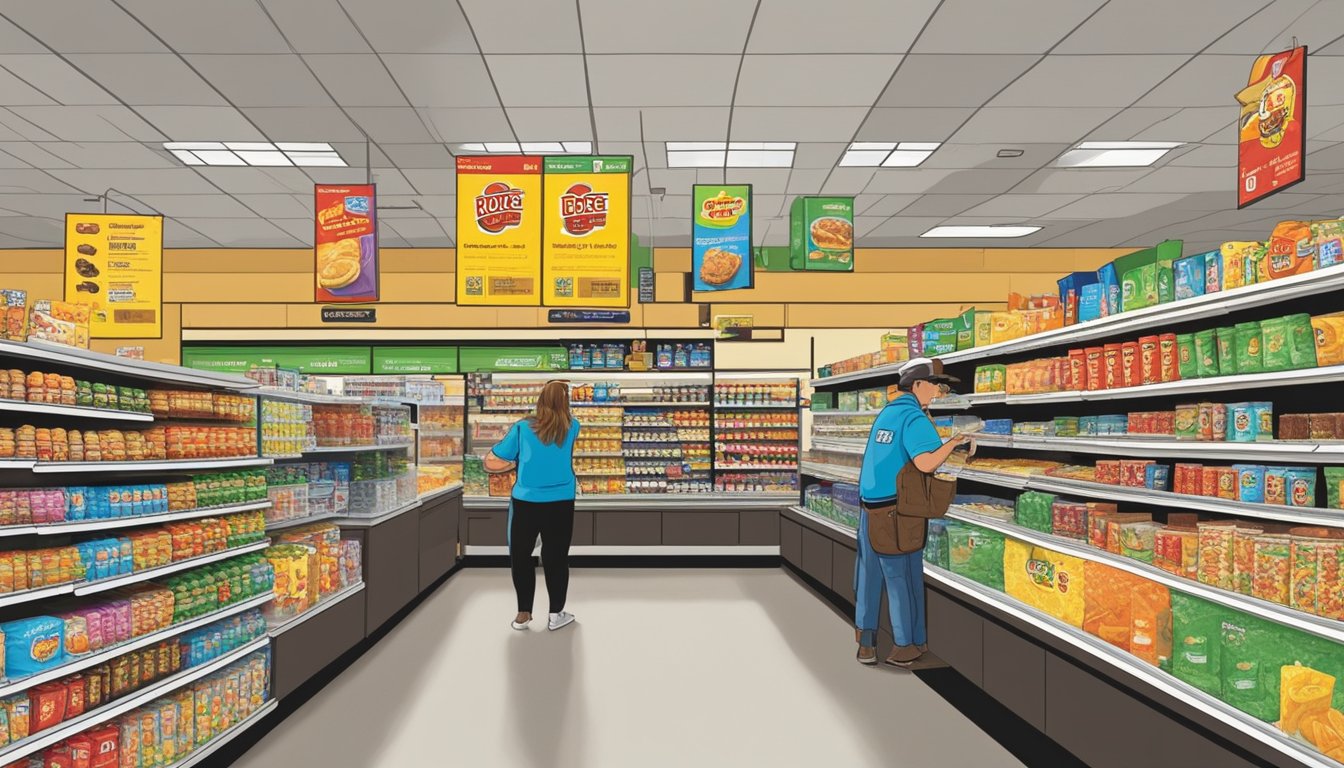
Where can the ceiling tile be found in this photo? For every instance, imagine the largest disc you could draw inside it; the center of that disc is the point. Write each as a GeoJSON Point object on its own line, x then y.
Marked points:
{"type": "Point", "coordinates": [974, 26]}
{"type": "Point", "coordinates": [30, 155]}
{"type": "Point", "coordinates": [302, 124]}
{"type": "Point", "coordinates": [108, 154]}
{"type": "Point", "coordinates": [943, 205]}
{"type": "Point", "coordinates": [356, 80]}
{"type": "Point", "coordinates": [279, 80]}
{"type": "Point", "coordinates": [210, 27]}
{"type": "Point", "coordinates": [908, 226]}
{"type": "Point", "coordinates": [1126, 123]}
{"type": "Point", "coordinates": [301, 229]}
{"type": "Point", "coordinates": [986, 156]}
{"type": "Point", "coordinates": [873, 27]}
{"type": "Point", "coordinates": [15, 92]}
{"type": "Point", "coordinates": [1325, 74]}
{"type": "Point", "coordinates": [663, 124]}
{"type": "Point", "coordinates": [1031, 124]}
{"type": "Point", "coordinates": [664, 81]}
{"type": "Point", "coordinates": [764, 181]}
{"type": "Point", "coordinates": [1022, 206]}
{"type": "Point", "coordinates": [806, 182]}
{"type": "Point", "coordinates": [818, 154]}
{"type": "Point", "coordinates": [1188, 179]}
{"type": "Point", "coordinates": [390, 181]}
{"type": "Point", "coordinates": [421, 232]}
{"type": "Point", "coordinates": [1087, 81]}
{"type": "Point", "coordinates": [168, 181]}
{"type": "Point", "coordinates": [1207, 81]}
{"type": "Point", "coordinates": [413, 26]}
{"type": "Point", "coordinates": [55, 78]}
{"type": "Point", "coordinates": [889, 205]}
{"type": "Point", "coordinates": [34, 182]}
{"type": "Point", "coordinates": [419, 155]}
{"type": "Point", "coordinates": [847, 181]}
{"type": "Point", "coordinates": [243, 232]}
{"type": "Point", "coordinates": [396, 125]}
{"type": "Point", "coordinates": [438, 80]}
{"type": "Point", "coordinates": [913, 123]}
{"type": "Point", "coordinates": [148, 78]}
{"type": "Point", "coordinates": [675, 180]}
{"type": "Point", "coordinates": [810, 80]}
{"type": "Point", "coordinates": [432, 181]}
{"type": "Point", "coordinates": [90, 123]}
{"type": "Point", "coordinates": [456, 126]}
{"type": "Point", "coordinates": [551, 123]}
{"type": "Point", "coordinates": [539, 81]}
{"type": "Point", "coordinates": [1191, 125]}
{"type": "Point", "coordinates": [543, 28]}
{"type": "Point", "coordinates": [1209, 156]}
{"type": "Point", "coordinates": [15, 128]}
{"type": "Point", "coordinates": [15, 40]}
{"type": "Point", "coordinates": [279, 206]}
{"type": "Point", "coordinates": [796, 124]}
{"type": "Point", "coordinates": [952, 81]}
{"type": "Point", "coordinates": [1273, 28]}
{"type": "Point", "coordinates": [217, 206]}
{"type": "Point", "coordinates": [27, 232]}
{"type": "Point", "coordinates": [48, 205]}
{"type": "Point", "coordinates": [336, 34]}
{"type": "Point", "coordinates": [1113, 205]}
{"type": "Point", "coordinates": [201, 123]}
{"type": "Point", "coordinates": [683, 27]}
{"type": "Point", "coordinates": [1158, 26]}
{"type": "Point", "coordinates": [260, 180]}
{"type": "Point", "coordinates": [102, 27]}
{"type": "Point", "coordinates": [1082, 181]}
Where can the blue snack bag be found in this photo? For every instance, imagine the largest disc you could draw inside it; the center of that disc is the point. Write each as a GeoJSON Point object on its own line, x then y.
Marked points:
{"type": "Point", "coordinates": [1109, 281]}
{"type": "Point", "coordinates": [1190, 276]}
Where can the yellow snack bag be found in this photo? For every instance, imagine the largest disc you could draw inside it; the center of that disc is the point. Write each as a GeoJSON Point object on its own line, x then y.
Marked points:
{"type": "Point", "coordinates": [1303, 692]}
{"type": "Point", "coordinates": [1329, 333]}
{"type": "Point", "coordinates": [1046, 580]}
{"type": "Point", "coordinates": [1005, 326]}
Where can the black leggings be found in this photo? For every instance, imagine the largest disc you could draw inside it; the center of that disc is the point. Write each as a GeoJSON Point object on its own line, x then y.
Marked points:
{"type": "Point", "coordinates": [554, 520]}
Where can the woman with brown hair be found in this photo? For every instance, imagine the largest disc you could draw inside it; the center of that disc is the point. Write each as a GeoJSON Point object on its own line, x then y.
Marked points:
{"type": "Point", "coordinates": [541, 446]}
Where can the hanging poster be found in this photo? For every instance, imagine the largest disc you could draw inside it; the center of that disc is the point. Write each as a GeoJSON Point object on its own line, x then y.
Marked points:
{"type": "Point", "coordinates": [499, 231]}
{"type": "Point", "coordinates": [821, 234]}
{"type": "Point", "coordinates": [721, 258]}
{"type": "Point", "coordinates": [586, 231]}
{"type": "Point", "coordinates": [1271, 151]}
{"type": "Point", "coordinates": [114, 263]}
{"type": "Point", "coordinates": [346, 244]}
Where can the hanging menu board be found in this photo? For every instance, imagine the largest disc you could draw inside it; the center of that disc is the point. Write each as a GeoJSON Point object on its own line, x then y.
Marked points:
{"type": "Point", "coordinates": [114, 263]}
{"type": "Point", "coordinates": [721, 237]}
{"type": "Point", "coordinates": [499, 216]}
{"type": "Point", "coordinates": [1272, 136]}
{"type": "Point", "coordinates": [345, 244]}
{"type": "Point", "coordinates": [586, 231]}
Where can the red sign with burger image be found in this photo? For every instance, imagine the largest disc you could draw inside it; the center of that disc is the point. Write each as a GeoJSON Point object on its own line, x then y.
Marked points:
{"type": "Point", "coordinates": [1272, 126]}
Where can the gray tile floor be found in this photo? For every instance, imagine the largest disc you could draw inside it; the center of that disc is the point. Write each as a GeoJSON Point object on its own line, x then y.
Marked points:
{"type": "Point", "coordinates": [664, 668]}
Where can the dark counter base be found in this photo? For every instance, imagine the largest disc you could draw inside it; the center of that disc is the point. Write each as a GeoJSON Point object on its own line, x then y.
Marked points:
{"type": "Point", "coordinates": [634, 527]}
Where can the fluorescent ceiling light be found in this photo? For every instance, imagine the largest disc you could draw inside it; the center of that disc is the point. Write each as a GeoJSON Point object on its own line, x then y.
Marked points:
{"type": "Point", "coordinates": [967, 230]}
{"type": "Point", "coordinates": [888, 154]}
{"type": "Point", "coordinates": [524, 148]}
{"type": "Point", "coordinates": [254, 153]}
{"type": "Point", "coordinates": [740, 154]}
{"type": "Point", "coordinates": [1116, 154]}
{"type": "Point", "coordinates": [542, 147]}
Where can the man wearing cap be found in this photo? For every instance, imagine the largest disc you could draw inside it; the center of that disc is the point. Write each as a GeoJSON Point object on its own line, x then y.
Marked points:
{"type": "Point", "coordinates": [902, 433]}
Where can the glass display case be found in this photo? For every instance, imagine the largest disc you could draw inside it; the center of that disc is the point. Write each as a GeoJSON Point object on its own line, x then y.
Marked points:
{"type": "Point", "coordinates": [756, 433]}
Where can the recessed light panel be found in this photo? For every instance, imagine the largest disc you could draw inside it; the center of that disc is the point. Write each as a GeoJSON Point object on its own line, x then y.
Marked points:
{"type": "Point", "coordinates": [254, 153]}
{"type": "Point", "coordinates": [740, 154]}
{"type": "Point", "coordinates": [890, 154]}
{"type": "Point", "coordinates": [1116, 154]}
{"type": "Point", "coordinates": [980, 231]}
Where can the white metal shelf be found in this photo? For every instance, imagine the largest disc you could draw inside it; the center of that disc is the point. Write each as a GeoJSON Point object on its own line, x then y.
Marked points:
{"type": "Point", "coordinates": [852, 445]}
{"type": "Point", "coordinates": [652, 501]}
{"type": "Point", "coordinates": [757, 406]}
{"type": "Point", "coordinates": [102, 585]}
{"type": "Point", "coordinates": [144, 641]}
{"type": "Point", "coordinates": [1265, 733]}
{"type": "Point", "coordinates": [840, 528]}
{"type": "Point", "coordinates": [40, 593]}
{"type": "Point", "coordinates": [323, 605]}
{"type": "Point", "coordinates": [73, 411]}
{"type": "Point", "coordinates": [872, 413]}
{"type": "Point", "coordinates": [357, 448]}
{"type": "Point", "coordinates": [755, 468]}
{"type": "Point", "coordinates": [1158, 447]}
{"type": "Point", "coordinates": [122, 366]}
{"type": "Point", "coordinates": [294, 522]}
{"type": "Point", "coordinates": [1281, 614]}
{"type": "Point", "coordinates": [199, 754]}
{"type": "Point", "coordinates": [832, 472]}
{"type": "Point", "coordinates": [368, 521]}
{"type": "Point", "coordinates": [172, 465]}
{"type": "Point", "coordinates": [311, 398]}
{"type": "Point", "coordinates": [118, 707]}
{"type": "Point", "coordinates": [112, 523]}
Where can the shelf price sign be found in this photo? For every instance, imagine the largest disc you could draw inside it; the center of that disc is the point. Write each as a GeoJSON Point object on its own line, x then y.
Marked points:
{"type": "Point", "coordinates": [499, 212]}
{"type": "Point", "coordinates": [114, 263]}
{"type": "Point", "coordinates": [1271, 137]}
{"type": "Point", "coordinates": [586, 231]}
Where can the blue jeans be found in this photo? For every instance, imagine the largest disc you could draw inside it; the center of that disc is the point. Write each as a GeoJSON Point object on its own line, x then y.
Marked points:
{"type": "Point", "coordinates": [904, 579]}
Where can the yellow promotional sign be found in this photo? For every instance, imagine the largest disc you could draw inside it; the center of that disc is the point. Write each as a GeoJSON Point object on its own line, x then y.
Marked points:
{"type": "Point", "coordinates": [499, 212]}
{"type": "Point", "coordinates": [114, 263]}
{"type": "Point", "coordinates": [586, 238]}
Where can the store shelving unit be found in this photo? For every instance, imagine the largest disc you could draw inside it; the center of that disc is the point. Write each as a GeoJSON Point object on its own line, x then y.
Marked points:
{"type": "Point", "coordinates": [326, 604]}
{"type": "Point", "coordinates": [106, 414]}
{"type": "Point", "coordinates": [202, 753]}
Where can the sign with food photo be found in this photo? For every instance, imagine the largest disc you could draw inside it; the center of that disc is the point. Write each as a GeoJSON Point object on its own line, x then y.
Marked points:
{"type": "Point", "coordinates": [499, 231]}
{"type": "Point", "coordinates": [721, 237]}
{"type": "Point", "coordinates": [822, 234]}
{"type": "Point", "coordinates": [1271, 136]}
{"type": "Point", "coordinates": [114, 265]}
{"type": "Point", "coordinates": [346, 244]}
{"type": "Point", "coordinates": [585, 246]}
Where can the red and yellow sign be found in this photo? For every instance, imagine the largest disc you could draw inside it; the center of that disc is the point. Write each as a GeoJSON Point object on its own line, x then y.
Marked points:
{"type": "Point", "coordinates": [499, 231]}
{"type": "Point", "coordinates": [346, 244]}
{"type": "Point", "coordinates": [114, 263]}
{"type": "Point", "coordinates": [586, 231]}
{"type": "Point", "coordinates": [1272, 138]}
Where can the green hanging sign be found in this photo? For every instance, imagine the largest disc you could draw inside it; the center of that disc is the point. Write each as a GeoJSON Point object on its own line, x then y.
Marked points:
{"type": "Point", "coordinates": [499, 359]}
{"type": "Point", "coordinates": [313, 360]}
{"type": "Point", "coordinates": [414, 360]}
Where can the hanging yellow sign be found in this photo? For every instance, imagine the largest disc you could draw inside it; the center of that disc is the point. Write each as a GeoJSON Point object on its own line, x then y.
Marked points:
{"type": "Point", "coordinates": [586, 231]}
{"type": "Point", "coordinates": [114, 264]}
{"type": "Point", "coordinates": [499, 231]}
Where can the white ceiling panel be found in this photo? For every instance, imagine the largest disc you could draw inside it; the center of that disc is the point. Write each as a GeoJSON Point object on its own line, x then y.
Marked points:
{"type": "Point", "coordinates": [796, 124]}
{"type": "Point", "coordinates": [1113, 205]}
{"type": "Point", "coordinates": [1087, 81]}
{"type": "Point", "coordinates": [201, 123]}
{"type": "Point", "coordinates": [102, 27]}
{"type": "Point", "coordinates": [1031, 124]}
{"type": "Point", "coordinates": [539, 81]}
{"type": "Point", "coordinates": [1326, 76]}
{"type": "Point", "coordinates": [437, 80]}
{"type": "Point", "coordinates": [301, 230]}
{"type": "Point", "coordinates": [390, 181]}
{"type": "Point", "coordinates": [419, 155]}
{"type": "Point", "coordinates": [1193, 124]}
{"type": "Point", "coordinates": [865, 224]}
{"type": "Point", "coordinates": [847, 181]}
{"type": "Point", "coordinates": [56, 79]}
{"type": "Point", "coordinates": [173, 181]}
{"type": "Point", "coordinates": [622, 26]}
{"type": "Point", "coordinates": [1022, 206]}
{"type": "Point", "coordinates": [279, 206]}
{"type": "Point", "coordinates": [15, 92]}
{"type": "Point", "coordinates": [260, 180]}
{"type": "Point", "coordinates": [395, 125]}
{"type": "Point", "coordinates": [672, 179]}
{"type": "Point", "coordinates": [906, 226]}
{"type": "Point", "coordinates": [209, 27]}
{"type": "Point", "coordinates": [1273, 28]}
{"type": "Point", "coordinates": [148, 78]}
{"type": "Point", "coordinates": [811, 80]}
{"type": "Point", "coordinates": [542, 28]}
{"type": "Point", "coordinates": [15, 40]}
{"type": "Point", "coordinates": [913, 123]}
{"type": "Point", "coordinates": [10, 161]}
{"type": "Point", "coordinates": [107, 154]}
{"type": "Point", "coordinates": [664, 124]}
{"type": "Point", "coordinates": [662, 80]}
{"type": "Point", "coordinates": [1187, 179]}
{"type": "Point", "coordinates": [439, 206]}
{"type": "Point", "coordinates": [356, 80]}
{"type": "Point", "coordinates": [974, 26]}
{"type": "Point", "coordinates": [52, 206]}
{"type": "Point", "coordinates": [986, 156]}
{"type": "Point", "coordinates": [217, 206]}
{"type": "Point", "coordinates": [89, 123]}
{"type": "Point", "coordinates": [764, 181]}
{"type": "Point", "coordinates": [24, 231]}
{"type": "Point", "coordinates": [1324, 122]}
{"type": "Point", "coordinates": [1080, 181]}
{"type": "Point", "coordinates": [815, 155]}
{"type": "Point", "coordinates": [432, 181]}
{"type": "Point", "coordinates": [886, 205]}
{"type": "Point", "coordinates": [243, 232]}
{"type": "Point", "coordinates": [767, 206]}
{"type": "Point", "coordinates": [1130, 121]}
{"type": "Point", "coordinates": [863, 26]}
{"type": "Point", "coordinates": [15, 128]}
{"type": "Point", "coordinates": [1158, 26]}
{"type": "Point", "coordinates": [413, 26]}
{"type": "Point", "coordinates": [456, 126]}
{"type": "Point", "coordinates": [1207, 81]}
{"type": "Point", "coordinates": [1208, 156]}
{"type": "Point", "coordinates": [35, 154]}
{"type": "Point", "coordinates": [806, 182]}
{"type": "Point", "coordinates": [336, 34]}
{"type": "Point", "coordinates": [926, 80]}
{"type": "Point", "coordinates": [943, 205]}
{"type": "Point", "coordinates": [34, 182]}
{"type": "Point", "coordinates": [551, 123]}
{"type": "Point", "coordinates": [279, 80]}
{"type": "Point", "coordinates": [301, 124]}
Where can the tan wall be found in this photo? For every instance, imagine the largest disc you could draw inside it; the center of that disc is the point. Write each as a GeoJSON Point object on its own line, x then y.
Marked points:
{"type": "Point", "coordinates": [272, 289]}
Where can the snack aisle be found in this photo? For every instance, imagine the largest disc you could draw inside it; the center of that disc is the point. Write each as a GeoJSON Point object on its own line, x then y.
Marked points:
{"type": "Point", "coordinates": [1154, 499]}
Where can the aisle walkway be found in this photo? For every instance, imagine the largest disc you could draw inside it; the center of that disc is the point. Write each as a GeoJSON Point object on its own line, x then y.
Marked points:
{"type": "Point", "coordinates": [665, 668]}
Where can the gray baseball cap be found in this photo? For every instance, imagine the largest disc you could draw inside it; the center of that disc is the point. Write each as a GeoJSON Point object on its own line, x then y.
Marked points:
{"type": "Point", "coordinates": [924, 369]}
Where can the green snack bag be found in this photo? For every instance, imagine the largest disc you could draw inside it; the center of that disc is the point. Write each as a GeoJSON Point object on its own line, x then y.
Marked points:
{"type": "Point", "coordinates": [1249, 671]}
{"type": "Point", "coordinates": [966, 329]}
{"type": "Point", "coordinates": [1138, 288]}
{"type": "Point", "coordinates": [1277, 354]}
{"type": "Point", "coordinates": [1166, 282]}
{"type": "Point", "coordinates": [1334, 478]}
{"type": "Point", "coordinates": [1034, 510]}
{"type": "Point", "coordinates": [1301, 341]}
{"type": "Point", "coordinates": [1226, 339]}
{"type": "Point", "coordinates": [1186, 357]}
{"type": "Point", "coordinates": [1250, 348]}
{"type": "Point", "coordinates": [1206, 355]}
{"type": "Point", "coordinates": [976, 553]}
{"type": "Point", "coordinates": [1197, 642]}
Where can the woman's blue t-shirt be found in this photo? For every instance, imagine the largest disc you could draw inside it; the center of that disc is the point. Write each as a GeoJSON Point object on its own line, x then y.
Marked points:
{"type": "Point", "coordinates": [545, 471]}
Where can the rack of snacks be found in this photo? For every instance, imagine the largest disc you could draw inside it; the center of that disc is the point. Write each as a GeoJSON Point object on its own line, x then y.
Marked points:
{"type": "Point", "coordinates": [1197, 530]}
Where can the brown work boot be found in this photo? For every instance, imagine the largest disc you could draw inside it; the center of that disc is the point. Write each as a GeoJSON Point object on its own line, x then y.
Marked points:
{"type": "Point", "coordinates": [923, 647]}
{"type": "Point", "coordinates": [866, 655]}
{"type": "Point", "coordinates": [903, 655]}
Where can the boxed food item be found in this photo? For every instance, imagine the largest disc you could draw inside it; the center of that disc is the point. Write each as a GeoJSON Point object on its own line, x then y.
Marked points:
{"type": "Point", "coordinates": [13, 314]}
{"type": "Point", "coordinates": [1069, 519]}
{"type": "Point", "coordinates": [1236, 255]}
{"type": "Point", "coordinates": [1070, 294]}
{"type": "Point", "coordinates": [990, 378]}
{"type": "Point", "coordinates": [1137, 540]}
{"type": "Point", "coordinates": [1005, 326]}
{"type": "Point", "coordinates": [1176, 551]}
{"type": "Point", "coordinates": [1090, 302]}
{"type": "Point", "coordinates": [1108, 280]}
{"type": "Point", "coordinates": [1328, 237]}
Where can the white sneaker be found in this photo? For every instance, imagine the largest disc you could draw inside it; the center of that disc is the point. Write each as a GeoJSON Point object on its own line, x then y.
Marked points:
{"type": "Point", "coordinates": [559, 620]}
{"type": "Point", "coordinates": [521, 626]}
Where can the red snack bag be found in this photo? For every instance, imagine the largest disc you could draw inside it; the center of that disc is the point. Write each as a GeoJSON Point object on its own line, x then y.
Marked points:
{"type": "Point", "coordinates": [1166, 422]}
{"type": "Point", "coordinates": [1228, 483]}
{"type": "Point", "coordinates": [1150, 356]}
{"type": "Point", "coordinates": [1077, 370]}
{"type": "Point", "coordinates": [1108, 472]}
{"type": "Point", "coordinates": [1170, 359]}
{"type": "Point", "coordinates": [76, 696]}
{"type": "Point", "coordinates": [1114, 374]}
{"type": "Point", "coordinates": [104, 751]}
{"type": "Point", "coordinates": [1096, 368]}
{"type": "Point", "coordinates": [47, 706]}
{"type": "Point", "coordinates": [1208, 482]}
{"type": "Point", "coordinates": [1131, 364]}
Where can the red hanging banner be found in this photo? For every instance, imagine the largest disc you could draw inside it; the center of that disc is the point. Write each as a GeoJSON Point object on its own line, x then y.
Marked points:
{"type": "Point", "coordinates": [1272, 136]}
